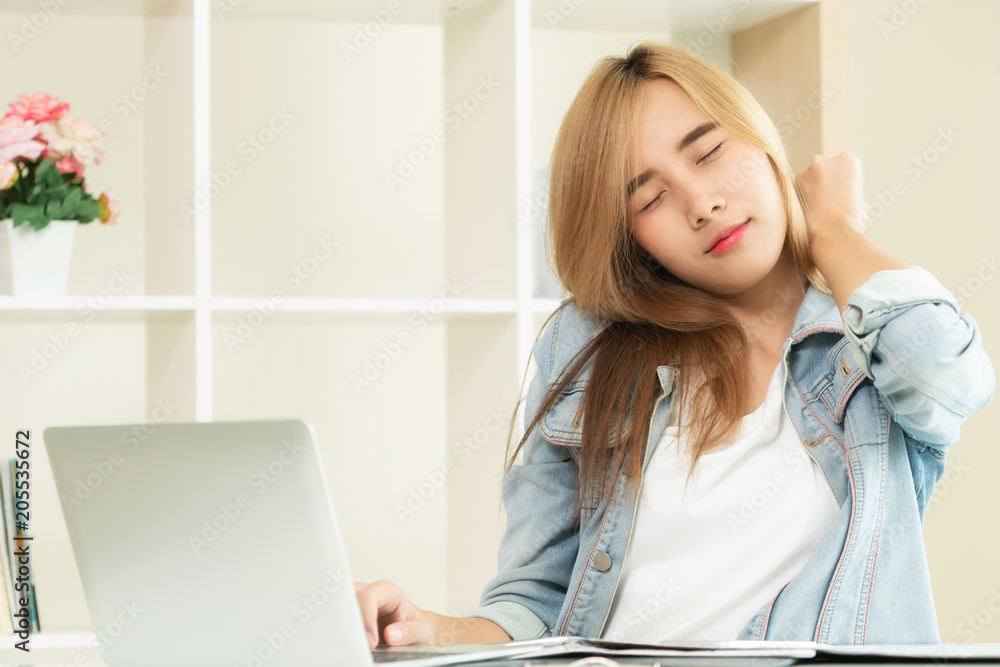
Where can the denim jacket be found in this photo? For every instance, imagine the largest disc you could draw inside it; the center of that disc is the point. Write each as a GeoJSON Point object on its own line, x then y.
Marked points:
{"type": "Point", "coordinates": [877, 396]}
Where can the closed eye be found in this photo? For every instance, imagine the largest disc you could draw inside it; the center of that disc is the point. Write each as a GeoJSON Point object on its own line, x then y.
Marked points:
{"type": "Point", "coordinates": [647, 206]}
{"type": "Point", "coordinates": [710, 154]}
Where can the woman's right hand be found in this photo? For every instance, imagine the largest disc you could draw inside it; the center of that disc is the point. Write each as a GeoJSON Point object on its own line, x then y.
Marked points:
{"type": "Point", "coordinates": [388, 613]}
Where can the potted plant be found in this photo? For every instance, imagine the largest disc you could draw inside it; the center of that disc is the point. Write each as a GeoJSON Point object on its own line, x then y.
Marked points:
{"type": "Point", "coordinates": [43, 197]}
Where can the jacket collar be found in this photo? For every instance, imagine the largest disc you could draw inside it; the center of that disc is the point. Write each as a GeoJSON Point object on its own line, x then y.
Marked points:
{"type": "Point", "coordinates": [817, 312]}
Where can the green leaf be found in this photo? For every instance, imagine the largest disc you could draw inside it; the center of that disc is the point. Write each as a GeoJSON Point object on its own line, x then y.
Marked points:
{"type": "Point", "coordinates": [69, 204]}
{"type": "Point", "coordinates": [87, 211]}
{"type": "Point", "coordinates": [34, 214]}
{"type": "Point", "coordinates": [43, 194]}
{"type": "Point", "coordinates": [45, 168]}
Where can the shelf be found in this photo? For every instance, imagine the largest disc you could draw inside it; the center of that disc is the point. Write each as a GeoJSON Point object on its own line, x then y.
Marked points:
{"type": "Point", "coordinates": [95, 308]}
{"type": "Point", "coordinates": [104, 8]}
{"type": "Point", "coordinates": [369, 306]}
{"type": "Point", "coordinates": [367, 311]}
{"type": "Point", "coordinates": [357, 11]}
{"type": "Point", "coordinates": [362, 311]}
{"type": "Point", "coordinates": [98, 302]}
{"type": "Point", "coordinates": [687, 16]}
{"type": "Point", "coordinates": [175, 308]}
{"type": "Point", "coordinates": [675, 17]}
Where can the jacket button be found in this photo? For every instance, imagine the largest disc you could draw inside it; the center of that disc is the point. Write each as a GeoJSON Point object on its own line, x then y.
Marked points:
{"type": "Point", "coordinates": [602, 561]}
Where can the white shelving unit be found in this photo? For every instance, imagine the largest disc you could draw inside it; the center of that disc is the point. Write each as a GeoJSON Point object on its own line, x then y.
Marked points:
{"type": "Point", "coordinates": [315, 103]}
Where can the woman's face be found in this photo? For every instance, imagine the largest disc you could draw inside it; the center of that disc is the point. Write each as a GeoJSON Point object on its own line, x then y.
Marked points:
{"type": "Point", "coordinates": [690, 183]}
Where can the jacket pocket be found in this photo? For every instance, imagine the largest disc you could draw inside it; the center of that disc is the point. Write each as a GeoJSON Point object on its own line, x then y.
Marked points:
{"type": "Point", "coordinates": [563, 423]}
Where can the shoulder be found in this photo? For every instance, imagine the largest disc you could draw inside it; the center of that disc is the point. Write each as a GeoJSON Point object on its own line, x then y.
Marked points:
{"type": "Point", "coordinates": [569, 329]}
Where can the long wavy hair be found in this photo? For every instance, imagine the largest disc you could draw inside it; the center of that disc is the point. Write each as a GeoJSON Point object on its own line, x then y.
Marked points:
{"type": "Point", "coordinates": [648, 317]}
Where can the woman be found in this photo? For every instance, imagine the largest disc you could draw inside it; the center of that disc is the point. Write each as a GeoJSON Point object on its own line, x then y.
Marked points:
{"type": "Point", "coordinates": [818, 381]}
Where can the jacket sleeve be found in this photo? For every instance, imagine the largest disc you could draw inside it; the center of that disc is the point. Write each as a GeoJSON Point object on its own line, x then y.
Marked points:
{"type": "Point", "coordinates": [538, 550]}
{"type": "Point", "coordinates": [923, 354]}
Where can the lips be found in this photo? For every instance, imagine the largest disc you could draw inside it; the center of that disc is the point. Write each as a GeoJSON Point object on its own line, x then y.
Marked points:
{"type": "Point", "coordinates": [724, 233]}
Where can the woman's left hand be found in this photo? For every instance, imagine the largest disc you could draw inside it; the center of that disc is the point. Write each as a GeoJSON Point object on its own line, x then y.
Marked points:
{"type": "Point", "coordinates": [831, 192]}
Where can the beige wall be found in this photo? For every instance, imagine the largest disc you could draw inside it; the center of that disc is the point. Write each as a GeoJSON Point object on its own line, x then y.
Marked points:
{"type": "Point", "coordinates": [941, 69]}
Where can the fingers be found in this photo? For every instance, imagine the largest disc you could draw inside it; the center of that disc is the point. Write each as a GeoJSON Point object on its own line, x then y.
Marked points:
{"type": "Point", "coordinates": [377, 601]}
{"type": "Point", "coordinates": [408, 632]}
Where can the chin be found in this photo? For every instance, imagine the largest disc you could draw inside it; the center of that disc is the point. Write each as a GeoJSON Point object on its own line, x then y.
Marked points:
{"type": "Point", "coordinates": [740, 284]}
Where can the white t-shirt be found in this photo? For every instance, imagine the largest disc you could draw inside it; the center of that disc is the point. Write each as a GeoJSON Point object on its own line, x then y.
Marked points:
{"type": "Point", "coordinates": [753, 515]}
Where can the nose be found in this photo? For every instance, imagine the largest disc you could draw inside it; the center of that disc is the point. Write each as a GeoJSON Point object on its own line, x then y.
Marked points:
{"type": "Point", "coordinates": [706, 206]}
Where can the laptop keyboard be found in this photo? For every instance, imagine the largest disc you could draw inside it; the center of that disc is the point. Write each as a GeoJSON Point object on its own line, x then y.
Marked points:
{"type": "Point", "coordinates": [393, 656]}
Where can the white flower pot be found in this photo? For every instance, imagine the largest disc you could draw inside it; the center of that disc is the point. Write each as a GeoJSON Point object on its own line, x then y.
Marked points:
{"type": "Point", "coordinates": [36, 263]}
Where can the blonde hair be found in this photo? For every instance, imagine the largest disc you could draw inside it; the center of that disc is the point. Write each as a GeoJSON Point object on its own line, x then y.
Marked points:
{"type": "Point", "coordinates": [651, 318]}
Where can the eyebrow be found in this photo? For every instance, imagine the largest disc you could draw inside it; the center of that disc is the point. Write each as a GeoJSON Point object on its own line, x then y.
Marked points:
{"type": "Point", "coordinates": [688, 139]}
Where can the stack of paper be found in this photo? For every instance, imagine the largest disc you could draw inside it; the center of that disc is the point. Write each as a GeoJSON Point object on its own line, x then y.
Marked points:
{"type": "Point", "coordinates": [16, 584]}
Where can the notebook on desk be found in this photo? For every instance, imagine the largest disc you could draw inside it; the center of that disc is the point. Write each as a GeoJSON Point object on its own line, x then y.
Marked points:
{"type": "Point", "coordinates": [216, 544]}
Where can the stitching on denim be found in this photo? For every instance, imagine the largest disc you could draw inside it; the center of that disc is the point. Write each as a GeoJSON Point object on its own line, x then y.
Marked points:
{"type": "Point", "coordinates": [837, 350]}
{"type": "Point", "coordinates": [832, 589]}
{"type": "Point", "coordinates": [828, 407]}
{"type": "Point", "coordinates": [929, 449]}
{"type": "Point", "coordinates": [767, 615]}
{"type": "Point", "coordinates": [860, 486]}
{"type": "Point", "coordinates": [817, 329]}
{"type": "Point", "coordinates": [821, 385]}
{"type": "Point", "coordinates": [816, 441]}
{"type": "Point", "coordinates": [884, 458]}
{"type": "Point", "coordinates": [552, 342]}
{"type": "Point", "coordinates": [883, 422]}
{"type": "Point", "coordinates": [564, 443]}
{"type": "Point", "coordinates": [583, 575]}
{"type": "Point", "coordinates": [847, 394]}
{"type": "Point", "coordinates": [555, 429]}
{"type": "Point", "coordinates": [821, 422]}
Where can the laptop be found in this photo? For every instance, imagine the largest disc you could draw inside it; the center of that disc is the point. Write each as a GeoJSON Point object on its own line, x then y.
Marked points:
{"type": "Point", "coordinates": [217, 544]}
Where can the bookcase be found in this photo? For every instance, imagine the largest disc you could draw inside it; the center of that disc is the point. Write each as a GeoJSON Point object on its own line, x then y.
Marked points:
{"type": "Point", "coordinates": [334, 211]}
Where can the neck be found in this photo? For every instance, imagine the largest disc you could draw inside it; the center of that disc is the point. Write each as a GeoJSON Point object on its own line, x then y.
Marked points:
{"type": "Point", "coordinates": [767, 310]}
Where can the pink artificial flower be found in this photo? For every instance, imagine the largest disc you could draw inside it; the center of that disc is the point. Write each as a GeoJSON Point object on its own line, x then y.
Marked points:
{"type": "Point", "coordinates": [68, 165]}
{"type": "Point", "coordinates": [8, 174]}
{"type": "Point", "coordinates": [19, 138]}
{"type": "Point", "coordinates": [39, 107]}
{"type": "Point", "coordinates": [76, 138]}
{"type": "Point", "coordinates": [109, 208]}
